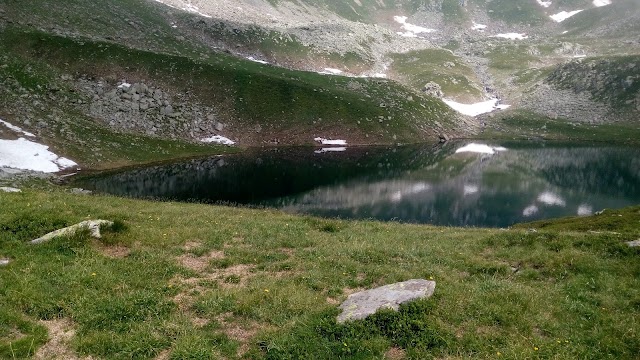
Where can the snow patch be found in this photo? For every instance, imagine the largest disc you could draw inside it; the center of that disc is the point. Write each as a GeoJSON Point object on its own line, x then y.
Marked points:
{"type": "Point", "coordinates": [410, 29]}
{"type": "Point", "coordinates": [512, 36]}
{"type": "Point", "coordinates": [28, 155]}
{"type": "Point", "coordinates": [599, 3]}
{"type": "Point", "coordinates": [478, 27]}
{"type": "Point", "coordinates": [551, 199]}
{"type": "Point", "coordinates": [16, 129]}
{"type": "Point", "coordinates": [545, 4]}
{"type": "Point", "coordinates": [251, 58]}
{"type": "Point", "coordinates": [217, 139]}
{"type": "Point", "coordinates": [480, 149]}
{"type": "Point", "coordinates": [330, 149]}
{"type": "Point", "coordinates": [331, 71]}
{"type": "Point", "coordinates": [477, 108]}
{"type": "Point", "coordinates": [564, 15]}
{"type": "Point", "coordinates": [324, 141]}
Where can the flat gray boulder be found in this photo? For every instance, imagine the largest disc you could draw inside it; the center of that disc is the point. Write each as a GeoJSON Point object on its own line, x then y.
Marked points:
{"type": "Point", "coordinates": [361, 305]}
{"type": "Point", "coordinates": [10, 189]}
{"type": "Point", "coordinates": [634, 243]}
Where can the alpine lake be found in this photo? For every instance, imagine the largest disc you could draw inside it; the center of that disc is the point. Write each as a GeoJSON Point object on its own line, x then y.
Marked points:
{"type": "Point", "coordinates": [452, 184]}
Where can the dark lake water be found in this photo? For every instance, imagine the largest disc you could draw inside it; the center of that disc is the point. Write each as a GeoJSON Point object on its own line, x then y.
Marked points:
{"type": "Point", "coordinates": [433, 184]}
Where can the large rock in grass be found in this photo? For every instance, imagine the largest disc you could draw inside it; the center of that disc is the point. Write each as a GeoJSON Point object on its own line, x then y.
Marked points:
{"type": "Point", "coordinates": [361, 305]}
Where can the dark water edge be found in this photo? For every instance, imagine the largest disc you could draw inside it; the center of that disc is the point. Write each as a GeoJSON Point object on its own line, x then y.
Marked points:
{"type": "Point", "coordinates": [429, 183]}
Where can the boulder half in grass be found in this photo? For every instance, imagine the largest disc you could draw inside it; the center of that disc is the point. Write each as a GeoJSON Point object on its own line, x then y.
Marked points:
{"type": "Point", "coordinates": [362, 304]}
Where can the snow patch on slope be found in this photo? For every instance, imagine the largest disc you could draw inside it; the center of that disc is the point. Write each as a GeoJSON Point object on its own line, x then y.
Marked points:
{"type": "Point", "coordinates": [564, 15]}
{"type": "Point", "coordinates": [600, 3]}
{"type": "Point", "coordinates": [512, 36]}
{"type": "Point", "coordinates": [477, 108]}
{"type": "Point", "coordinates": [28, 155]}
{"type": "Point", "coordinates": [324, 141]}
{"type": "Point", "coordinates": [544, 3]}
{"type": "Point", "coordinates": [16, 129]}
{"type": "Point", "coordinates": [410, 29]}
{"type": "Point", "coordinates": [218, 139]}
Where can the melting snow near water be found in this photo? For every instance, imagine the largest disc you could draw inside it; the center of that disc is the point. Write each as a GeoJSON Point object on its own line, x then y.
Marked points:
{"type": "Point", "coordinates": [477, 108]}
{"type": "Point", "coordinates": [16, 129]}
{"type": "Point", "coordinates": [28, 155]}
{"type": "Point", "coordinates": [480, 149]}
{"type": "Point", "coordinates": [217, 139]}
{"type": "Point", "coordinates": [324, 141]}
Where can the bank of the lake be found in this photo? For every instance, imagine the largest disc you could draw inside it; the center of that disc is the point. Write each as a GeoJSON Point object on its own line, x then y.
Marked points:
{"type": "Point", "coordinates": [178, 281]}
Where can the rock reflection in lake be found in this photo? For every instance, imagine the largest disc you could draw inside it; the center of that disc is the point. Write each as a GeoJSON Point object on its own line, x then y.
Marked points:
{"type": "Point", "coordinates": [423, 184]}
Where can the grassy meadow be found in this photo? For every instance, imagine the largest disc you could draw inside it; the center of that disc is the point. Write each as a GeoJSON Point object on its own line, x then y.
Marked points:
{"type": "Point", "coordinates": [190, 281]}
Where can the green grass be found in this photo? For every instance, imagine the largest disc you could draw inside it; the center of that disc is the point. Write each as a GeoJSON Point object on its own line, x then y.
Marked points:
{"type": "Point", "coordinates": [197, 281]}
{"type": "Point", "coordinates": [417, 68]}
{"type": "Point", "coordinates": [522, 125]}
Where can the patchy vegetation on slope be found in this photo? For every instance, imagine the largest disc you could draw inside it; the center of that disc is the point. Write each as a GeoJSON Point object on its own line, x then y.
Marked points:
{"type": "Point", "coordinates": [611, 80]}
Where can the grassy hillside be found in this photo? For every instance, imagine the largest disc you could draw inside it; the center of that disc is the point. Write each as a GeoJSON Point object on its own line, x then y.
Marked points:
{"type": "Point", "coordinates": [291, 105]}
{"type": "Point", "coordinates": [193, 281]}
{"type": "Point", "coordinates": [417, 68]}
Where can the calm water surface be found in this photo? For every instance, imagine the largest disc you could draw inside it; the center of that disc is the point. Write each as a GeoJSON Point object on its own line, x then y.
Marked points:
{"type": "Point", "coordinates": [431, 184]}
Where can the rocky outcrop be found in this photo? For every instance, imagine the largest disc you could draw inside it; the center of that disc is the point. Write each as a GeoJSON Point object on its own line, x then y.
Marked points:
{"type": "Point", "coordinates": [149, 110]}
{"type": "Point", "coordinates": [433, 89]}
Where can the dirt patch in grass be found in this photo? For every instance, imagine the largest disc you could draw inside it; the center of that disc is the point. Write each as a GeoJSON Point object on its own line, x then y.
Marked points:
{"type": "Point", "coordinates": [57, 347]}
{"type": "Point", "coordinates": [115, 252]}
{"type": "Point", "coordinates": [239, 330]}
{"type": "Point", "coordinates": [199, 263]}
{"type": "Point", "coordinates": [241, 273]}
{"type": "Point", "coordinates": [332, 301]}
{"type": "Point", "coordinates": [164, 355]}
{"type": "Point", "coordinates": [349, 291]}
{"type": "Point", "coordinates": [13, 335]}
{"type": "Point", "coordinates": [190, 245]}
{"type": "Point", "coordinates": [395, 354]}
{"type": "Point", "coordinates": [288, 251]}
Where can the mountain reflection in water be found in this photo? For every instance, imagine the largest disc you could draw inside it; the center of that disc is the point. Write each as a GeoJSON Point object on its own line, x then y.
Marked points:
{"type": "Point", "coordinates": [422, 184]}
